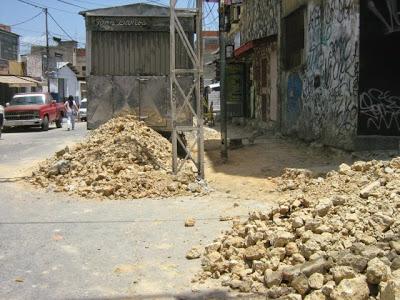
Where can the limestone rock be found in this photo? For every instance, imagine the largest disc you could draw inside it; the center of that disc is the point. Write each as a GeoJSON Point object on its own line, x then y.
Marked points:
{"type": "Point", "coordinates": [190, 222]}
{"type": "Point", "coordinates": [342, 272]}
{"type": "Point", "coordinates": [300, 284]}
{"type": "Point", "coordinates": [377, 271]}
{"type": "Point", "coordinates": [351, 289]}
{"type": "Point", "coordinates": [255, 252]}
{"type": "Point", "coordinates": [193, 253]}
{"type": "Point", "coordinates": [392, 290]}
{"type": "Point", "coordinates": [316, 281]}
{"type": "Point", "coordinates": [272, 278]}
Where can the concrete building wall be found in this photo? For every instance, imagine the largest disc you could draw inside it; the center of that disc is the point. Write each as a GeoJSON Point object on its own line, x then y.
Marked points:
{"type": "Point", "coordinates": [260, 18]}
{"type": "Point", "coordinates": [34, 65]}
{"type": "Point", "coordinates": [321, 95]}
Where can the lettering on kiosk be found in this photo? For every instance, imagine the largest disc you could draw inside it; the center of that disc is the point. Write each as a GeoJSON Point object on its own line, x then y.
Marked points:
{"type": "Point", "coordinates": [121, 22]}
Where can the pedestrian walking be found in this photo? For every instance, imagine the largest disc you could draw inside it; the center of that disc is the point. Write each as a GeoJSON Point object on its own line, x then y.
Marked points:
{"type": "Point", "coordinates": [71, 109]}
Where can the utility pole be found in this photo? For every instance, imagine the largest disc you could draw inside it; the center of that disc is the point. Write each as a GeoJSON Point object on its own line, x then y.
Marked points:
{"type": "Point", "coordinates": [47, 51]}
{"type": "Point", "coordinates": [222, 66]}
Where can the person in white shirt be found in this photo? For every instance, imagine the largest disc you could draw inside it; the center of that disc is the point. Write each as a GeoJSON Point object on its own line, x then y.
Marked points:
{"type": "Point", "coordinates": [71, 108]}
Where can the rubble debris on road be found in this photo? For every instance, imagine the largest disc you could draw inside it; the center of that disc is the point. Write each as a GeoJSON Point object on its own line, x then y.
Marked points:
{"type": "Point", "coordinates": [336, 237]}
{"type": "Point", "coordinates": [190, 222]}
{"type": "Point", "coordinates": [121, 159]}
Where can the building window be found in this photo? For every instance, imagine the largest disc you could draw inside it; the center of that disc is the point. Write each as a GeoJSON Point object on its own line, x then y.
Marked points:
{"type": "Point", "coordinates": [294, 38]}
{"type": "Point", "coordinates": [83, 68]}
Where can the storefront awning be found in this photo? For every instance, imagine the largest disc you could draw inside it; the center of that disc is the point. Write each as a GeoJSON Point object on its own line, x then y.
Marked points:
{"type": "Point", "coordinates": [244, 49]}
{"type": "Point", "coordinates": [18, 81]}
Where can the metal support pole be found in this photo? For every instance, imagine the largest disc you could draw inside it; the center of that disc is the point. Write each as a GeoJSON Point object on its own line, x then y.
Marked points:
{"type": "Point", "coordinates": [222, 66]}
{"type": "Point", "coordinates": [47, 50]}
{"type": "Point", "coordinates": [199, 75]}
{"type": "Point", "coordinates": [174, 139]}
{"type": "Point", "coordinates": [177, 91]}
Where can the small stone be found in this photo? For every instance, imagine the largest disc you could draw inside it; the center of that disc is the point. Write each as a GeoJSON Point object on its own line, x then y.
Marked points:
{"type": "Point", "coordinates": [272, 278]}
{"type": "Point", "coordinates": [344, 169]}
{"type": "Point", "coordinates": [395, 265]}
{"type": "Point", "coordinates": [395, 245]}
{"type": "Point", "coordinates": [172, 187]}
{"type": "Point", "coordinates": [316, 281]}
{"type": "Point", "coordinates": [225, 218]}
{"type": "Point", "coordinates": [194, 187]}
{"type": "Point", "coordinates": [342, 272]}
{"type": "Point", "coordinates": [193, 253]}
{"type": "Point", "coordinates": [190, 222]}
{"type": "Point", "coordinates": [351, 289]}
{"type": "Point", "coordinates": [255, 252]}
{"type": "Point", "coordinates": [377, 271]}
{"type": "Point", "coordinates": [323, 207]}
{"type": "Point", "coordinates": [368, 189]}
{"type": "Point", "coordinates": [297, 222]}
{"type": "Point", "coordinates": [392, 289]}
{"type": "Point", "coordinates": [338, 200]}
{"type": "Point", "coordinates": [315, 295]}
{"type": "Point", "coordinates": [291, 248]}
{"type": "Point", "coordinates": [292, 297]}
{"type": "Point", "coordinates": [282, 238]}
{"type": "Point", "coordinates": [328, 288]}
{"type": "Point", "coordinates": [300, 284]}
{"type": "Point", "coordinates": [357, 262]}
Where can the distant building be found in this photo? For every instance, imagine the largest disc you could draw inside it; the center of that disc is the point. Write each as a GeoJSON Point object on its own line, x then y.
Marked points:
{"type": "Point", "coordinates": [65, 82]}
{"type": "Point", "coordinates": [36, 60]}
{"type": "Point", "coordinates": [9, 43]}
{"type": "Point", "coordinates": [65, 52]}
{"type": "Point", "coordinates": [210, 47]}
{"type": "Point", "coordinates": [13, 77]}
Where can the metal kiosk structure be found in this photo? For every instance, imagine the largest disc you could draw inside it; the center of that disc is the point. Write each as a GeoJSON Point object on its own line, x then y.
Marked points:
{"type": "Point", "coordinates": [177, 91]}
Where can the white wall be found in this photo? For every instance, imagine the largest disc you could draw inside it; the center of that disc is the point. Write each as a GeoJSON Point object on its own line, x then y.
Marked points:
{"type": "Point", "coordinates": [71, 84]}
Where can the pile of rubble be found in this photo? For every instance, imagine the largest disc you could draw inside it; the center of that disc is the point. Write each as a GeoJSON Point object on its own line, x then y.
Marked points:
{"type": "Point", "coordinates": [331, 238]}
{"type": "Point", "coordinates": [121, 159]}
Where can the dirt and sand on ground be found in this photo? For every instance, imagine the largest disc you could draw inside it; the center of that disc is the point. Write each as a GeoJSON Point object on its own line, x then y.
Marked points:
{"type": "Point", "coordinates": [121, 159]}
{"type": "Point", "coordinates": [249, 171]}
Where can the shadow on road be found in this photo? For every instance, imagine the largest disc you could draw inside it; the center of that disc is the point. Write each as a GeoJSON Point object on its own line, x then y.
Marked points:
{"type": "Point", "coordinates": [26, 129]}
{"type": "Point", "coordinates": [209, 295]}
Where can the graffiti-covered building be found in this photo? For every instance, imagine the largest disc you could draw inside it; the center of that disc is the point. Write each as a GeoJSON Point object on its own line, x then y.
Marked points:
{"type": "Point", "coordinates": [336, 63]}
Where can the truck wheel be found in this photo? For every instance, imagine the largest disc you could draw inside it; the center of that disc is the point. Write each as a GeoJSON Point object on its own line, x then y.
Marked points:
{"type": "Point", "coordinates": [59, 122]}
{"type": "Point", "coordinates": [45, 124]}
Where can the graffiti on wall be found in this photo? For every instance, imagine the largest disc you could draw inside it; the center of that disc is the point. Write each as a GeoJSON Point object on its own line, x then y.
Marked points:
{"type": "Point", "coordinates": [392, 19]}
{"type": "Point", "coordinates": [330, 77]}
{"type": "Point", "coordinates": [379, 102]}
{"type": "Point", "coordinates": [259, 19]}
{"type": "Point", "coordinates": [380, 110]}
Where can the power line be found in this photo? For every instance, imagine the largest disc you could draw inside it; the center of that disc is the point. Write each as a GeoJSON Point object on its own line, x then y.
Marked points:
{"type": "Point", "coordinates": [30, 19]}
{"type": "Point", "coordinates": [60, 26]}
{"type": "Point", "coordinates": [31, 4]}
{"type": "Point", "coordinates": [42, 6]}
{"type": "Point", "coordinates": [62, 1]}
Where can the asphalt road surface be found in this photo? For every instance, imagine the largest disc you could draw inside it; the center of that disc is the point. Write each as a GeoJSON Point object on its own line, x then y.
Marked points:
{"type": "Point", "coordinates": [54, 246]}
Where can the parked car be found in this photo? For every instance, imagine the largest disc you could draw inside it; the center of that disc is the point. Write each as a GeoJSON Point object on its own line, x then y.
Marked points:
{"type": "Point", "coordinates": [83, 110]}
{"type": "Point", "coordinates": [33, 109]}
{"type": "Point", "coordinates": [1, 118]}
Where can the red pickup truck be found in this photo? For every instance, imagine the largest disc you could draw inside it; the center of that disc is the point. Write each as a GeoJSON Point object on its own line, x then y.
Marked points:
{"type": "Point", "coordinates": [33, 109]}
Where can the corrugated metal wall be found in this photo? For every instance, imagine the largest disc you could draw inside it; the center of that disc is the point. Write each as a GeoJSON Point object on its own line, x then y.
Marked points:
{"type": "Point", "coordinates": [134, 53]}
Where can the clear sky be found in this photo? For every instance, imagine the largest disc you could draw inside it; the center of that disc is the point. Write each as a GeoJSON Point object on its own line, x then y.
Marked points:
{"type": "Point", "coordinates": [65, 12]}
